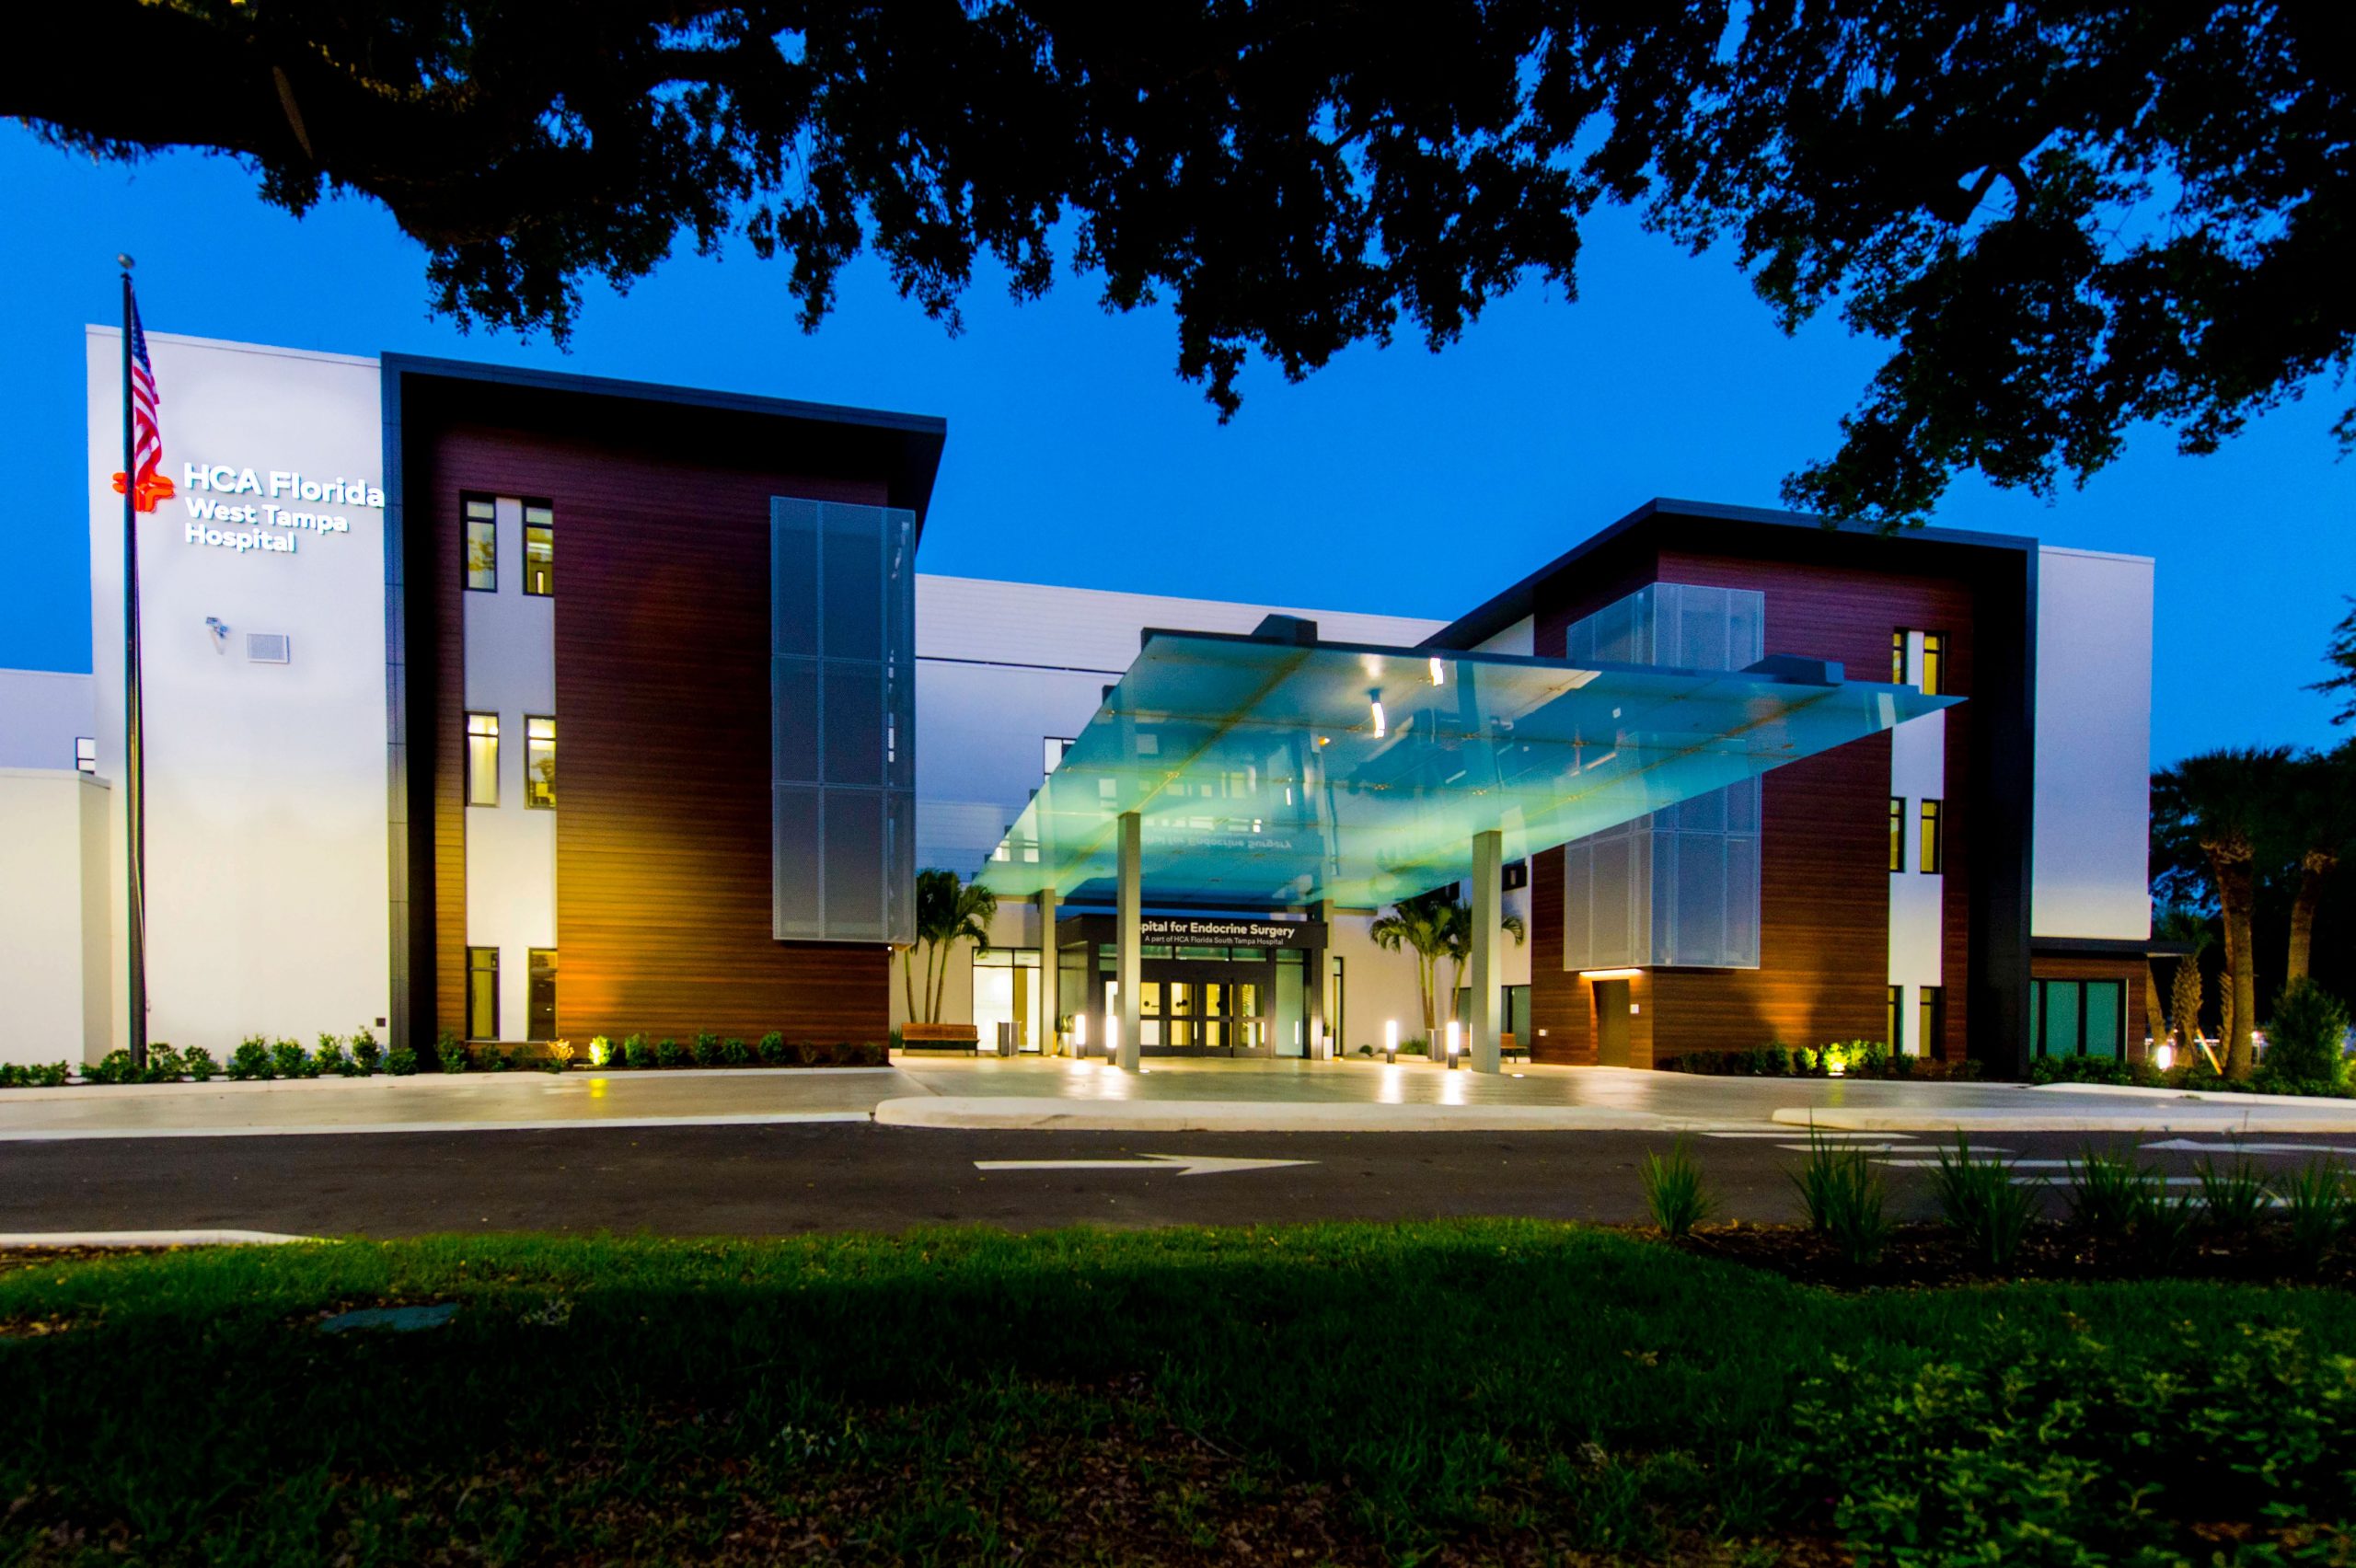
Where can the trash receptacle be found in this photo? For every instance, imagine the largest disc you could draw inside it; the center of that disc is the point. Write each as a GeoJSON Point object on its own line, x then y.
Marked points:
{"type": "Point", "coordinates": [1005, 1038]}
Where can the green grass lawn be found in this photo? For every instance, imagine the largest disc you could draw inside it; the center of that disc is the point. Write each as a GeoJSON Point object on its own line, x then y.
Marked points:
{"type": "Point", "coordinates": [1465, 1392]}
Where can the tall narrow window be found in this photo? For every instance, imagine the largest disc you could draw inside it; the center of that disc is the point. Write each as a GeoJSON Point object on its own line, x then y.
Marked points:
{"type": "Point", "coordinates": [1934, 650]}
{"type": "Point", "coordinates": [1931, 857]}
{"type": "Point", "coordinates": [1892, 1019]}
{"type": "Point", "coordinates": [1898, 658]}
{"type": "Point", "coordinates": [539, 549]}
{"type": "Point", "coordinates": [1930, 1018]}
{"type": "Point", "coordinates": [482, 993]}
{"type": "Point", "coordinates": [540, 762]}
{"type": "Point", "coordinates": [481, 544]}
{"type": "Point", "coordinates": [482, 760]}
{"type": "Point", "coordinates": [1898, 833]}
{"type": "Point", "coordinates": [539, 1019]}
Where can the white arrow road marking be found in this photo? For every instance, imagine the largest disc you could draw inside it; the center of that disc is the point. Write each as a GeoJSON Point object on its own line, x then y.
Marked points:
{"type": "Point", "coordinates": [1826, 1133]}
{"type": "Point", "coordinates": [1854, 1147]}
{"type": "Point", "coordinates": [2196, 1146]}
{"type": "Point", "coordinates": [1183, 1164]}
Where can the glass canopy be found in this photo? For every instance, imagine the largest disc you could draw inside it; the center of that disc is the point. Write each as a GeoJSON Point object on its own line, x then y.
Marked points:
{"type": "Point", "coordinates": [1270, 774]}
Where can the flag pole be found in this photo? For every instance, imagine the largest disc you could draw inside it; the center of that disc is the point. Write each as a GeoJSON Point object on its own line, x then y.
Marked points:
{"type": "Point", "coordinates": [135, 801]}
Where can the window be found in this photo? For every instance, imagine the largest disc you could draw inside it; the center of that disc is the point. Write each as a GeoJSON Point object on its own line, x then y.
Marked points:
{"type": "Point", "coordinates": [539, 549]}
{"type": "Point", "coordinates": [1898, 658]}
{"type": "Point", "coordinates": [540, 762]}
{"type": "Point", "coordinates": [1898, 833]}
{"type": "Point", "coordinates": [482, 993]}
{"type": "Point", "coordinates": [1934, 647]}
{"type": "Point", "coordinates": [539, 1020]}
{"type": "Point", "coordinates": [481, 543]}
{"type": "Point", "coordinates": [86, 755]}
{"type": "Point", "coordinates": [1930, 858]}
{"type": "Point", "coordinates": [1931, 1020]}
{"type": "Point", "coordinates": [1054, 749]}
{"type": "Point", "coordinates": [1893, 1016]}
{"type": "Point", "coordinates": [1006, 990]}
{"type": "Point", "coordinates": [482, 760]}
{"type": "Point", "coordinates": [2078, 1017]}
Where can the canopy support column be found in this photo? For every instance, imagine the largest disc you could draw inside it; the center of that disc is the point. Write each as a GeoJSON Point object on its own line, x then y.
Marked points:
{"type": "Point", "coordinates": [1050, 974]}
{"type": "Point", "coordinates": [1127, 967]}
{"type": "Point", "coordinates": [1485, 978]}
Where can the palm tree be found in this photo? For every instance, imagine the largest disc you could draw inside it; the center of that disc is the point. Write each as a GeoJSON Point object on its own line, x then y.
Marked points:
{"type": "Point", "coordinates": [2184, 987]}
{"type": "Point", "coordinates": [2320, 816]}
{"type": "Point", "coordinates": [949, 910]}
{"type": "Point", "coordinates": [1459, 928]}
{"type": "Point", "coordinates": [2226, 804]}
{"type": "Point", "coordinates": [1420, 925]}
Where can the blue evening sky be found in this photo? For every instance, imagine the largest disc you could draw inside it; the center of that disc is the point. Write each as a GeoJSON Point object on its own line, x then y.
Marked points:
{"type": "Point", "coordinates": [1393, 480]}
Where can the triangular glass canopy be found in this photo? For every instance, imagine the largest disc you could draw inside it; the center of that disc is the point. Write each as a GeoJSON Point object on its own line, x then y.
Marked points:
{"type": "Point", "coordinates": [1271, 774]}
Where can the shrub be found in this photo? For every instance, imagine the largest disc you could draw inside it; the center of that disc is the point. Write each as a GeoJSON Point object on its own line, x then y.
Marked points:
{"type": "Point", "coordinates": [866, 1054]}
{"type": "Point", "coordinates": [2094, 1069]}
{"type": "Point", "coordinates": [2165, 1230]}
{"type": "Point", "coordinates": [668, 1054]}
{"type": "Point", "coordinates": [2304, 1039]}
{"type": "Point", "coordinates": [289, 1060]}
{"type": "Point", "coordinates": [1988, 1208]}
{"type": "Point", "coordinates": [329, 1058]}
{"type": "Point", "coordinates": [198, 1063]}
{"type": "Point", "coordinates": [706, 1051]}
{"type": "Point", "coordinates": [2316, 1209]}
{"type": "Point", "coordinates": [1673, 1191]}
{"type": "Point", "coordinates": [450, 1052]}
{"type": "Point", "coordinates": [39, 1074]}
{"type": "Point", "coordinates": [13, 1076]}
{"type": "Point", "coordinates": [400, 1061]}
{"type": "Point", "coordinates": [2233, 1197]}
{"type": "Point", "coordinates": [498, 1058]}
{"type": "Point", "coordinates": [164, 1065]}
{"type": "Point", "coordinates": [637, 1053]}
{"type": "Point", "coordinates": [2109, 1195]}
{"type": "Point", "coordinates": [252, 1059]}
{"type": "Point", "coordinates": [736, 1053]}
{"type": "Point", "coordinates": [601, 1051]}
{"type": "Point", "coordinates": [115, 1066]}
{"type": "Point", "coordinates": [366, 1053]}
{"type": "Point", "coordinates": [772, 1050]}
{"type": "Point", "coordinates": [560, 1055]}
{"type": "Point", "coordinates": [1845, 1199]}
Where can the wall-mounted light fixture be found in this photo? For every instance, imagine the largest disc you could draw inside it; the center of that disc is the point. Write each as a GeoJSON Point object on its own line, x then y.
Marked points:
{"type": "Point", "coordinates": [1381, 724]}
{"type": "Point", "coordinates": [1610, 973]}
{"type": "Point", "coordinates": [1439, 672]}
{"type": "Point", "coordinates": [220, 630]}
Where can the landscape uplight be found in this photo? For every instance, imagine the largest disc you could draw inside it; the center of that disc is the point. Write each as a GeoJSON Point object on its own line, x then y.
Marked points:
{"type": "Point", "coordinates": [2164, 1056]}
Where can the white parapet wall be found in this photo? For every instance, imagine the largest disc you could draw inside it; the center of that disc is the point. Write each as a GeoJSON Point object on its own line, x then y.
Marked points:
{"type": "Point", "coordinates": [2094, 745]}
{"type": "Point", "coordinates": [55, 1003]}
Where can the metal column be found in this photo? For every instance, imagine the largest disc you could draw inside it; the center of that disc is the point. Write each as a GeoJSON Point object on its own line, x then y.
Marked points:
{"type": "Point", "coordinates": [1126, 968]}
{"type": "Point", "coordinates": [1050, 974]}
{"type": "Point", "coordinates": [1487, 978]}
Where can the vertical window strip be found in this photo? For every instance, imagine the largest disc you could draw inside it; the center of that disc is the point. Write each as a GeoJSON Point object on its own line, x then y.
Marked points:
{"type": "Point", "coordinates": [480, 544]}
{"type": "Point", "coordinates": [539, 761]}
{"type": "Point", "coordinates": [539, 549]}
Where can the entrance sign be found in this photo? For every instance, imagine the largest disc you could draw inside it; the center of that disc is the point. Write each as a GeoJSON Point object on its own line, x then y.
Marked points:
{"type": "Point", "coordinates": [219, 518]}
{"type": "Point", "coordinates": [1218, 931]}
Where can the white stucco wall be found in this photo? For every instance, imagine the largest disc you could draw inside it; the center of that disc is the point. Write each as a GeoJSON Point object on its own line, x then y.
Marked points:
{"type": "Point", "coordinates": [266, 783]}
{"type": "Point", "coordinates": [41, 713]}
{"type": "Point", "coordinates": [55, 1004]}
{"type": "Point", "coordinates": [2094, 743]}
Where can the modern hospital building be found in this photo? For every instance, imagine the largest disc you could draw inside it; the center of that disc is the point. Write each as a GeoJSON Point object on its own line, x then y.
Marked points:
{"type": "Point", "coordinates": [527, 706]}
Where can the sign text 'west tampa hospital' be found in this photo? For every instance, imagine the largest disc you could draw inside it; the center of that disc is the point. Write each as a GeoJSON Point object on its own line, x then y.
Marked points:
{"type": "Point", "coordinates": [287, 500]}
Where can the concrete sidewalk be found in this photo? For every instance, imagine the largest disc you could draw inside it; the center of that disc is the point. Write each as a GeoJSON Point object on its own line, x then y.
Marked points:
{"type": "Point", "coordinates": [1172, 1095]}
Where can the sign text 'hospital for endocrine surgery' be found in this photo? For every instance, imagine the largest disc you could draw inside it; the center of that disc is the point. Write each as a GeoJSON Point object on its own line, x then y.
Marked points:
{"type": "Point", "coordinates": [216, 518]}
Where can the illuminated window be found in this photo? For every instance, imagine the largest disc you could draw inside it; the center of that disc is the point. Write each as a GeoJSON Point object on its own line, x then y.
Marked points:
{"type": "Point", "coordinates": [540, 762]}
{"type": "Point", "coordinates": [1934, 647]}
{"type": "Point", "coordinates": [481, 544]}
{"type": "Point", "coordinates": [541, 1010]}
{"type": "Point", "coordinates": [539, 550]}
{"type": "Point", "coordinates": [482, 993]}
{"type": "Point", "coordinates": [2078, 1017]}
{"type": "Point", "coordinates": [86, 755]}
{"type": "Point", "coordinates": [1930, 1018]}
{"type": "Point", "coordinates": [1898, 833]}
{"type": "Point", "coordinates": [1929, 860]}
{"type": "Point", "coordinates": [1898, 658]}
{"type": "Point", "coordinates": [482, 760]}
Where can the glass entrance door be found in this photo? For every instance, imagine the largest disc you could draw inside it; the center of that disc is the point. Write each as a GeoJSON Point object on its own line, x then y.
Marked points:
{"type": "Point", "coordinates": [1198, 1010]}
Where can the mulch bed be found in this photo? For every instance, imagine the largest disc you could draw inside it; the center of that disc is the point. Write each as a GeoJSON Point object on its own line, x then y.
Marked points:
{"type": "Point", "coordinates": [1919, 1257]}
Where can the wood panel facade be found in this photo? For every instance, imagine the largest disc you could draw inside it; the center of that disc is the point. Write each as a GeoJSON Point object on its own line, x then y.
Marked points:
{"type": "Point", "coordinates": [1824, 880]}
{"type": "Point", "coordinates": [662, 657]}
{"type": "Point", "coordinates": [2129, 972]}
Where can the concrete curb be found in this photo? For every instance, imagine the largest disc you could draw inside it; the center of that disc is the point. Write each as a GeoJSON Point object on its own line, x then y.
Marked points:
{"type": "Point", "coordinates": [411, 1083]}
{"type": "Point", "coordinates": [1004, 1111]}
{"type": "Point", "coordinates": [38, 1240]}
{"type": "Point", "coordinates": [2140, 1091]}
{"type": "Point", "coordinates": [313, 1129]}
{"type": "Point", "coordinates": [2208, 1117]}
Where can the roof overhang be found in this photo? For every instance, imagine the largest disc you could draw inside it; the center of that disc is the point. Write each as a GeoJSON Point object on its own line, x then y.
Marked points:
{"type": "Point", "coordinates": [1276, 773]}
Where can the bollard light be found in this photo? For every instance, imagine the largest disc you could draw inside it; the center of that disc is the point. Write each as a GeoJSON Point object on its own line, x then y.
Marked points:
{"type": "Point", "coordinates": [1390, 1040]}
{"type": "Point", "coordinates": [1113, 1039]}
{"type": "Point", "coordinates": [1451, 1042]}
{"type": "Point", "coordinates": [1079, 1036]}
{"type": "Point", "coordinates": [2164, 1056]}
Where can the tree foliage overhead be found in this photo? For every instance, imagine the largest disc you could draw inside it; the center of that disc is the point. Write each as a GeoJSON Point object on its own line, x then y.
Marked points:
{"type": "Point", "coordinates": [2065, 218]}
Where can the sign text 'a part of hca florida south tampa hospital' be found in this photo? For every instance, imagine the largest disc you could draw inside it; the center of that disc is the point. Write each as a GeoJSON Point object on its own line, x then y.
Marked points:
{"type": "Point", "coordinates": [218, 517]}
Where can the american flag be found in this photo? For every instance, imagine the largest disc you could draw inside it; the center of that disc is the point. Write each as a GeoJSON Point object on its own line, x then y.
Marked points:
{"type": "Point", "coordinates": [147, 485]}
